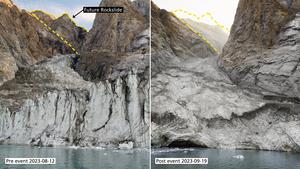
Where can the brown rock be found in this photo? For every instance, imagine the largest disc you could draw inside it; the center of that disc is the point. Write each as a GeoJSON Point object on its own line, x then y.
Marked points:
{"type": "Point", "coordinates": [9, 3]}
{"type": "Point", "coordinates": [46, 17]}
{"type": "Point", "coordinates": [115, 33]}
{"type": "Point", "coordinates": [116, 40]}
{"type": "Point", "coordinates": [256, 28]}
{"type": "Point", "coordinates": [263, 50]}
{"type": "Point", "coordinates": [66, 27]}
{"type": "Point", "coordinates": [25, 41]}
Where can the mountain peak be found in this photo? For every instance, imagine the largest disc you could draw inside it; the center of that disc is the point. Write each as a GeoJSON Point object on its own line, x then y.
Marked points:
{"type": "Point", "coordinates": [46, 17]}
{"type": "Point", "coordinates": [116, 32]}
{"type": "Point", "coordinates": [9, 3]}
{"type": "Point", "coordinates": [65, 17]}
{"type": "Point", "coordinates": [109, 2]}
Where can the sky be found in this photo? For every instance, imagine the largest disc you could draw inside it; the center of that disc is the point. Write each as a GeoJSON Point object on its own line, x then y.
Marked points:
{"type": "Point", "coordinates": [58, 7]}
{"type": "Point", "coordinates": [222, 10]}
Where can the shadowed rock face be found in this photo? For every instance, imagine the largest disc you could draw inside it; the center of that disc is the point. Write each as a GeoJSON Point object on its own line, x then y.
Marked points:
{"type": "Point", "coordinates": [24, 41]}
{"type": "Point", "coordinates": [69, 30]}
{"type": "Point", "coordinates": [116, 38]}
{"type": "Point", "coordinates": [65, 27]}
{"type": "Point", "coordinates": [143, 6]}
{"type": "Point", "coordinates": [264, 46]}
{"type": "Point", "coordinates": [116, 32]}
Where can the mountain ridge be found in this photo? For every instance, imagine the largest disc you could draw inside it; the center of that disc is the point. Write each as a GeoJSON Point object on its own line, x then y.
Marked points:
{"type": "Point", "coordinates": [28, 42]}
{"type": "Point", "coordinates": [95, 99]}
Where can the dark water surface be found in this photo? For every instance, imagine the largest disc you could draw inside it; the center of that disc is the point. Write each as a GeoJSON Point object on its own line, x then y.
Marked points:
{"type": "Point", "coordinates": [226, 159]}
{"type": "Point", "coordinates": [70, 158]}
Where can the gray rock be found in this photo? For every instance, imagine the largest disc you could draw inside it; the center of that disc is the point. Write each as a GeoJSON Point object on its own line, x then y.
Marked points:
{"type": "Point", "coordinates": [274, 71]}
{"type": "Point", "coordinates": [195, 104]}
{"type": "Point", "coordinates": [25, 41]}
{"type": "Point", "coordinates": [49, 104]}
{"type": "Point", "coordinates": [214, 34]}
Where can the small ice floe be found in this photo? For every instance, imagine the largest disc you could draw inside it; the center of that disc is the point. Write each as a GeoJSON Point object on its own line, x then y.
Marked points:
{"type": "Point", "coordinates": [238, 156]}
{"type": "Point", "coordinates": [126, 146]}
{"type": "Point", "coordinates": [73, 147]}
{"type": "Point", "coordinates": [99, 148]}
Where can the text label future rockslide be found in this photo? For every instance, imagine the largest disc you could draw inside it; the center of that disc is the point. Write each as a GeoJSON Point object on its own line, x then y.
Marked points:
{"type": "Point", "coordinates": [103, 9]}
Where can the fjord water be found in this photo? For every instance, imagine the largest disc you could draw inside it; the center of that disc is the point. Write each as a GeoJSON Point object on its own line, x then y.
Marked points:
{"type": "Point", "coordinates": [226, 159]}
{"type": "Point", "coordinates": [71, 158]}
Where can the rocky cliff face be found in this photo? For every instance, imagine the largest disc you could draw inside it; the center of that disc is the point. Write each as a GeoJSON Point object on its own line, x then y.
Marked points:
{"type": "Point", "coordinates": [115, 38]}
{"type": "Point", "coordinates": [49, 104]}
{"type": "Point", "coordinates": [263, 47]}
{"type": "Point", "coordinates": [196, 104]}
{"type": "Point", "coordinates": [24, 41]}
{"type": "Point", "coordinates": [115, 33]}
{"type": "Point", "coordinates": [95, 99]}
{"type": "Point", "coordinates": [67, 28]}
{"type": "Point", "coordinates": [173, 42]}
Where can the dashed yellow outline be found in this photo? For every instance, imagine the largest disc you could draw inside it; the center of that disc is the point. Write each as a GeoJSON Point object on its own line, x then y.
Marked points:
{"type": "Point", "coordinates": [54, 32]}
{"type": "Point", "coordinates": [199, 34]}
{"type": "Point", "coordinates": [55, 17]}
{"type": "Point", "coordinates": [46, 13]}
{"type": "Point", "coordinates": [207, 14]}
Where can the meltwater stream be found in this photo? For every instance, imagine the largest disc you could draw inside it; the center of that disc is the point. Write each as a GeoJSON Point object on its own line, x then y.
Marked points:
{"type": "Point", "coordinates": [229, 159]}
{"type": "Point", "coordinates": [71, 158]}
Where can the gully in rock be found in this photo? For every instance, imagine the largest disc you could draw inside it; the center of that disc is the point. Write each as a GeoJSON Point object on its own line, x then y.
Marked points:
{"type": "Point", "coordinates": [230, 106]}
{"type": "Point", "coordinates": [72, 91]}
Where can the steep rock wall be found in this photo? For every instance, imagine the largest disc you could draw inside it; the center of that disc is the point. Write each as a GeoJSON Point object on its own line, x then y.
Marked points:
{"type": "Point", "coordinates": [25, 41]}
{"type": "Point", "coordinates": [196, 104]}
{"type": "Point", "coordinates": [263, 48]}
{"type": "Point", "coordinates": [71, 111]}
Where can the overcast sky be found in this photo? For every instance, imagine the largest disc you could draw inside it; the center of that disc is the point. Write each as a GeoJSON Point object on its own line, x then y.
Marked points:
{"type": "Point", "coordinates": [58, 7]}
{"type": "Point", "coordinates": [222, 10]}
